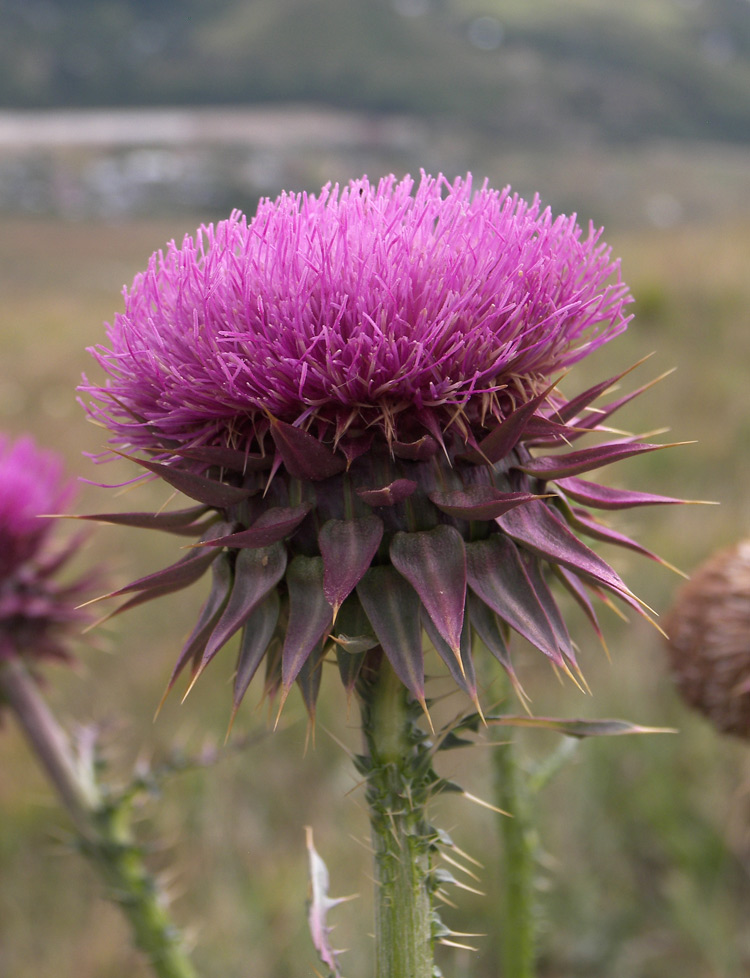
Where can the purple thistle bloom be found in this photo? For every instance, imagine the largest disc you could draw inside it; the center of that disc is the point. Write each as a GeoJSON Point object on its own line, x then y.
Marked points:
{"type": "Point", "coordinates": [358, 388]}
{"type": "Point", "coordinates": [36, 611]}
{"type": "Point", "coordinates": [355, 304]}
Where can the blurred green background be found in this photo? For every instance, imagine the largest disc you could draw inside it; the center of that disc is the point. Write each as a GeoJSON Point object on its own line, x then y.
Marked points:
{"type": "Point", "coordinates": [124, 124]}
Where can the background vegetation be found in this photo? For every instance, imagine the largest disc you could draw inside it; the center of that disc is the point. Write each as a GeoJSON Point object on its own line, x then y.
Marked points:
{"type": "Point", "coordinates": [537, 71]}
{"type": "Point", "coordinates": [634, 113]}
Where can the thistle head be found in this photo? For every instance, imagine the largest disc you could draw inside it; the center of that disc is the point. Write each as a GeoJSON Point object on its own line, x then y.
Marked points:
{"type": "Point", "coordinates": [709, 640]}
{"type": "Point", "coordinates": [359, 390]}
{"type": "Point", "coordinates": [36, 610]}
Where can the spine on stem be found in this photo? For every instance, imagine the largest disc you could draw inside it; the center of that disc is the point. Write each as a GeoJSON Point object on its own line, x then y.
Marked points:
{"type": "Point", "coordinates": [400, 780]}
{"type": "Point", "coordinates": [103, 825]}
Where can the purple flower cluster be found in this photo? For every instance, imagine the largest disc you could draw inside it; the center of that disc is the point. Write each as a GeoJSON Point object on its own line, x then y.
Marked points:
{"type": "Point", "coordinates": [35, 610]}
{"type": "Point", "coordinates": [363, 301]}
{"type": "Point", "coordinates": [359, 392]}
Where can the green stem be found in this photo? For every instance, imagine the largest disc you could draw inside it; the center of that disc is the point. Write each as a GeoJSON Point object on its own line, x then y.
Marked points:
{"type": "Point", "coordinates": [399, 779]}
{"type": "Point", "coordinates": [104, 827]}
{"type": "Point", "coordinates": [520, 846]}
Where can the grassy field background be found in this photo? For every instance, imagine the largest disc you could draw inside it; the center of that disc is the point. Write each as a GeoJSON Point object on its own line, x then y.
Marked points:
{"type": "Point", "coordinates": [648, 851]}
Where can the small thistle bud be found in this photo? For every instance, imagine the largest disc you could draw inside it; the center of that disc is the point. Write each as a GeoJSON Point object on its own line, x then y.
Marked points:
{"type": "Point", "coordinates": [359, 391]}
{"type": "Point", "coordinates": [36, 611]}
{"type": "Point", "coordinates": [709, 640]}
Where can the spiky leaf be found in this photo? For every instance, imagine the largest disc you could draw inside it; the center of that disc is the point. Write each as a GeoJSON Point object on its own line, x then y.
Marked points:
{"type": "Point", "coordinates": [604, 497]}
{"type": "Point", "coordinates": [304, 456]}
{"type": "Point", "coordinates": [309, 677]}
{"type": "Point", "coordinates": [271, 526]}
{"type": "Point", "coordinates": [485, 622]}
{"type": "Point", "coordinates": [504, 438]}
{"type": "Point", "coordinates": [193, 648]}
{"type": "Point", "coordinates": [219, 495]}
{"type": "Point", "coordinates": [175, 577]}
{"type": "Point", "coordinates": [497, 576]}
{"type": "Point", "coordinates": [540, 531]}
{"type": "Point", "coordinates": [309, 615]}
{"type": "Point", "coordinates": [464, 674]}
{"type": "Point", "coordinates": [256, 574]}
{"type": "Point", "coordinates": [576, 728]}
{"type": "Point", "coordinates": [347, 548]}
{"type": "Point", "coordinates": [393, 608]}
{"type": "Point", "coordinates": [227, 458]}
{"type": "Point", "coordinates": [478, 502]}
{"type": "Point", "coordinates": [179, 521]}
{"type": "Point", "coordinates": [256, 635]}
{"type": "Point", "coordinates": [573, 463]}
{"type": "Point", "coordinates": [573, 407]}
{"type": "Point", "coordinates": [434, 563]}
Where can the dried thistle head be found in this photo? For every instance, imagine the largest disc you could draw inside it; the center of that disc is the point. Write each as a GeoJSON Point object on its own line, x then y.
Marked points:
{"type": "Point", "coordinates": [709, 640]}
{"type": "Point", "coordinates": [359, 390]}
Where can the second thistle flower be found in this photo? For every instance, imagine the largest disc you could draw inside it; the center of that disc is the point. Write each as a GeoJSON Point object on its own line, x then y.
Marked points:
{"type": "Point", "coordinates": [358, 389]}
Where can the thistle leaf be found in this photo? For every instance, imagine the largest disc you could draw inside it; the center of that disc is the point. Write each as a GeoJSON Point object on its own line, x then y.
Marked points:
{"type": "Point", "coordinates": [485, 623]}
{"type": "Point", "coordinates": [350, 665]}
{"type": "Point", "coordinates": [464, 674]}
{"type": "Point", "coordinates": [207, 491]}
{"type": "Point", "coordinates": [193, 648]}
{"type": "Point", "coordinates": [227, 458]}
{"type": "Point", "coordinates": [180, 521]}
{"type": "Point", "coordinates": [573, 463]}
{"type": "Point", "coordinates": [392, 606]}
{"type": "Point", "coordinates": [256, 635]}
{"type": "Point", "coordinates": [537, 529]}
{"type": "Point", "coordinates": [545, 431]}
{"type": "Point", "coordinates": [353, 638]}
{"type": "Point", "coordinates": [271, 526]}
{"type": "Point", "coordinates": [578, 591]}
{"type": "Point", "coordinates": [603, 497]}
{"type": "Point", "coordinates": [551, 610]}
{"type": "Point", "coordinates": [304, 456]}
{"type": "Point", "coordinates": [478, 502]}
{"type": "Point", "coordinates": [347, 548]}
{"type": "Point", "coordinates": [602, 414]}
{"type": "Point", "coordinates": [504, 438]}
{"type": "Point", "coordinates": [577, 728]}
{"type": "Point", "coordinates": [256, 573]}
{"type": "Point", "coordinates": [182, 574]}
{"type": "Point", "coordinates": [310, 615]}
{"type": "Point", "coordinates": [569, 410]}
{"type": "Point", "coordinates": [434, 563]}
{"type": "Point", "coordinates": [581, 521]}
{"type": "Point", "coordinates": [497, 576]}
{"type": "Point", "coordinates": [309, 677]}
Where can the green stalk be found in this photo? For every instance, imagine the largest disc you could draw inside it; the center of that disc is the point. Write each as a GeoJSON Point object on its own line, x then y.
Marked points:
{"type": "Point", "coordinates": [520, 845]}
{"type": "Point", "coordinates": [104, 826]}
{"type": "Point", "coordinates": [400, 777]}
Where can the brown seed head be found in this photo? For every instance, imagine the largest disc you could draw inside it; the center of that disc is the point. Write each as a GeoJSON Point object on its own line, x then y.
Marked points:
{"type": "Point", "coordinates": [709, 640]}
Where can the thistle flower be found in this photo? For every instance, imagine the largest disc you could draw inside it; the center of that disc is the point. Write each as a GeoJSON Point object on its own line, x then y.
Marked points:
{"type": "Point", "coordinates": [36, 611]}
{"type": "Point", "coordinates": [709, 640]}
{"type": "Point", "coordinates": [359, 389]}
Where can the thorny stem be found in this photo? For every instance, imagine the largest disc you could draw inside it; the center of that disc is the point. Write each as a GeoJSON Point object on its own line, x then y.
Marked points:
{"type": "Point", "coordinates": [520, 846]}
{"type": "Point", "coordinates": [104, 826]}
{"type": "Point", "coordinates": [399, 780]}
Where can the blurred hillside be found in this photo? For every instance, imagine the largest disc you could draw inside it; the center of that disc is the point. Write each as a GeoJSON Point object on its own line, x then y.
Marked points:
{"type": "Point", "coordinates": [621, 70]}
